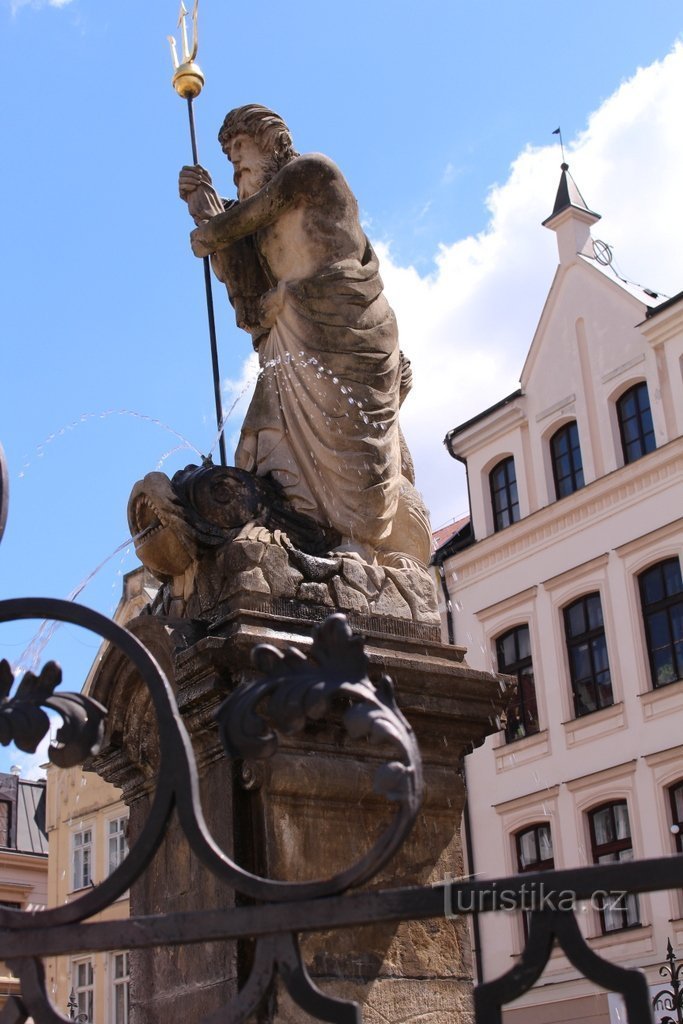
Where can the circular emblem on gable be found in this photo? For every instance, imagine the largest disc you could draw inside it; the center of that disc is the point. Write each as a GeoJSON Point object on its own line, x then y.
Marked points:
{"type": "Point", "coordinates": [603, 253]}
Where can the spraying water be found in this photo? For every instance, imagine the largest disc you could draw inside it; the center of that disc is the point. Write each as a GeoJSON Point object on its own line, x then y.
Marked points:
{"type": "Point", "coordinates": [31, 656]}
{"type": "Point", "coordinates": [85, 417]}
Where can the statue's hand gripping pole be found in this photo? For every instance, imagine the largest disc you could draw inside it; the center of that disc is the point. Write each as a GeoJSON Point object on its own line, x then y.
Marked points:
{"type": "Point", "coordinates": [188, 82]}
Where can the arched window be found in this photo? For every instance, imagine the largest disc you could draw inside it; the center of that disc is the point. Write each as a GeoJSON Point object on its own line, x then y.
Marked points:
{"type": "Point", "coordinates": [661, 598]}
{"type": "Point", "coordinates": [587, 653]}
{"type": "Point", "coordinates": [534, 853]}
{"type": "Point", "coordinates": [504, 500]}
{"type": "Point", "coordinates": [565, 453]}
{"type": "Point", "coordinates": [535, 848]}
{"type": "Point", "coordinates": [635, 423]}
{"type": "Point", "coordinates": [676, 805]}
{"type": "Point", "coordinates": [513, 650]}
{"type": "Point", "coordinates": [610, 832]}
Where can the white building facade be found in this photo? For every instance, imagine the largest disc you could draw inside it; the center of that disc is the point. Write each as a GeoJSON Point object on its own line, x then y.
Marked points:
{"type": "Point", "coordinates": [571, 580]}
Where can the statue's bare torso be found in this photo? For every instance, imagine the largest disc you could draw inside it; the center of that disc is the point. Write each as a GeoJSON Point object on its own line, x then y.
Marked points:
{"type": "Point", "coordinates": [305, 220]}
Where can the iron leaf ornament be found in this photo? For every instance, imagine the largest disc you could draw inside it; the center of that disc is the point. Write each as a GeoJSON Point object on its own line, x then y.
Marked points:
{"type": "Point", "coordinates": [24, 722]}
{"type": "Point", "coordinates": [299, 687]}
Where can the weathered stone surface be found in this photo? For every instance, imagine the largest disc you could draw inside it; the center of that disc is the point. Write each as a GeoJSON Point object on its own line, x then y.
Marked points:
{"type": "Point", "coordinates": [316, 593]}
{"type": "Point", "coordinates": [363, 577]}
{"type": "Point", "coordinates": [390, 602]}
{"type": "Point", "coordinates": [306, 813]}
{"type": "Point", "coordinates": [251, 581]}
{"type": "Point", "coordinates": [282, 577]}
{"type": "Point", "coordinates": [221, 562]}
{"type": "Point", "coordinates": [348, 599]}
{"type": "Point", "coordinates": [395, 1000]}
{"type": "Point", "coordinates": [259, 553]}
{"type": "Point", "coordinates": [417, 589]}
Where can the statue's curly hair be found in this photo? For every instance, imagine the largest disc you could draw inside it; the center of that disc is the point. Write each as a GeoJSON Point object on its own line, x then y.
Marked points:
{"type": "Point", "coordinates": [265, 126]}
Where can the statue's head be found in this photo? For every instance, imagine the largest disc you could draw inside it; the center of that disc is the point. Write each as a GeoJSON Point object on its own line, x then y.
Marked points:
{"type": "Point", "coordinates": [266, 128]}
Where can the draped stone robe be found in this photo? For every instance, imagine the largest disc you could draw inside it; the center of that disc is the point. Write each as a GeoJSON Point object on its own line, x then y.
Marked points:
{"type": "Point", "coordinates": [324, 416]}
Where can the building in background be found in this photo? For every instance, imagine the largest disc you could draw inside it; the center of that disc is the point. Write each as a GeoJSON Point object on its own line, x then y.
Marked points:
{"type": "Point", "coordinates": [23, 855]}
{"type": "Point", "coordinates": [87, 826]}
{"type": "Point", "coordinates": [569, 578]}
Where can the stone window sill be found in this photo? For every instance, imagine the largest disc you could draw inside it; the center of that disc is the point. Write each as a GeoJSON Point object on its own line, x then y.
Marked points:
{"type": "Point", "coordinates": [594, 725]}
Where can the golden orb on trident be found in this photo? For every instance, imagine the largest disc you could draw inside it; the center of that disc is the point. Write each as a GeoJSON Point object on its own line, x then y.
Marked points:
{"type": "Point", "coordinates": [188, 79]}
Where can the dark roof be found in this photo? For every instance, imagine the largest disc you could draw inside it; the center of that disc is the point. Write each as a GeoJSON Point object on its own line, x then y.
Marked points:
{"type": "Point", "coordinates": [480, 416]}
{"type": "Point", "coordinates": [31, 834]}
{"type": "Point", "coordinates": [26, 814]}
{"type": "Point", "coordinates": [568, 195]}
{"type": "Point", "coordinates": [653, 310]}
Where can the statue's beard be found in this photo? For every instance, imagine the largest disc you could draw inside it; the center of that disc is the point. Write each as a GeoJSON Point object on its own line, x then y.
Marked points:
{"type": "Point", "coordinates": [254, 181]}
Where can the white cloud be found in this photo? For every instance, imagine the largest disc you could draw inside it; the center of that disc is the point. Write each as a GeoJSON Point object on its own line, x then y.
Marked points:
{"type": "Point", "coordinates": [236, 398]}
{"type": "Point", "coordinates": [16, 5]}
{"type": "Point", "coordinates": [467, 326]}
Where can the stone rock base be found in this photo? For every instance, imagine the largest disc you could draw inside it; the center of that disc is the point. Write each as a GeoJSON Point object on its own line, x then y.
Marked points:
{"type": "Point", "coordinates": [305, 813]}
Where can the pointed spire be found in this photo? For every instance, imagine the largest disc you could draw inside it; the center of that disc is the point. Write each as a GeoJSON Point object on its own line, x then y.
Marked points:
{"type": "Point", "coordinates": [571, 218]}
{"type": "Point", "coordinates": [568, 194]}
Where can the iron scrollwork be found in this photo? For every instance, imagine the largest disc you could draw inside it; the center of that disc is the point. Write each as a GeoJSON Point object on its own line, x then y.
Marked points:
{"type": "Point", "coordinates": [24, 722]}
{"type": "Point", "coordinates": [294, 689]}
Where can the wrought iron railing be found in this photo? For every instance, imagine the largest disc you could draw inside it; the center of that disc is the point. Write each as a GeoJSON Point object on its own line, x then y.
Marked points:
{"type": "Point", "coordinates": [292, 689]}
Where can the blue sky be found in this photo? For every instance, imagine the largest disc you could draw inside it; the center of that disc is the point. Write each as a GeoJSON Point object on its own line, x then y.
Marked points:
{"type": "Point", "coordinates": [441, 118]}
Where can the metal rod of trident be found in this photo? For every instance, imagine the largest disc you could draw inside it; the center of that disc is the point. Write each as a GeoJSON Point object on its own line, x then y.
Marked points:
{"type": "Point", "coordinates": [188, 82]}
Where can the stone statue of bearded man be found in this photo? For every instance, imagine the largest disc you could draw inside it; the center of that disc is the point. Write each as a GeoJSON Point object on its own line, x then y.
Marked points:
{"type": "Point", "coordinates": [304, 281]}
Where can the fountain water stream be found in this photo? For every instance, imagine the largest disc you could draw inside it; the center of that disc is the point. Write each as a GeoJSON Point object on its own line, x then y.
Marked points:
{"type": "Point", "coordinates": [31, 656]}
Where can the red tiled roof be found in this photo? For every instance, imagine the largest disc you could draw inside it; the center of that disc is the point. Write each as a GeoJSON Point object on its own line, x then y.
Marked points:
{"type": "Point", "coordinates": [444, 533]}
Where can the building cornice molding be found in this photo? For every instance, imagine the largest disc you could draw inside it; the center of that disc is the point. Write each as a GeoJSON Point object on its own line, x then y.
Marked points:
{"type": "Point", "coordinates": [619, 489]}
{"type": "Point", "coordinates": [671, 529]}
{"type": "Point", "coordinates": [14, 858]}
{"type": "Point", "coordinates": [518, 802]}
{"type": "Point", "coordinates": [617, 371]}
{"type": "Point", "coordinates": [557, 407]}
{"type": "Point", "coordinates": [576, 571]}
{"type": "Point", "coordinates": [508, 603]}
{"type": "Point", "coordinates": [661, 326]}
{"type": "Point", "coordinates": [616, 771]}
{"type": "Point", "coordinates": [664, 756]}
{"type": "Point", "coordinates": [485, 431]}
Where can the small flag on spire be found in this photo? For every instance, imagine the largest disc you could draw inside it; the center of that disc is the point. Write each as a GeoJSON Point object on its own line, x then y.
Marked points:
{"type": "Point", "coordinates": [558, 131]}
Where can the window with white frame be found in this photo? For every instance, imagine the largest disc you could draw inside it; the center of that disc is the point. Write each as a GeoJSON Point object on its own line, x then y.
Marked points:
{"type": "Point", "coordinates": [82, 851]}
{"type": "Point", "coordinates": [83, 986]}
{"type": "Point", "coordinates": [117, 845]}
{"type": "Point", "coordinates": [661, 598]}
{"type": "Point", "coordinates": [676, 807]}
{"type": "Point", "coordinates": [610, 832]}
{"type": "Point", "coordinates": [504, 497]}
{"type": "Point", "coordinates": [635, 423]}
{"type": "Point", "coordinates": [119, 976]}
{"type": "Point", "coordinates": [534, 853]}
{"type": "Point", "coordinates": [565, 454]}
{"type": "Point", "coordinates": [587, 653]}
{"type": "Point", "coordinates": [513, 651]}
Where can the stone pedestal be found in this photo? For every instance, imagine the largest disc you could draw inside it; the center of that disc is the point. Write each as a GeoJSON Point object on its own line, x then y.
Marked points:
{"type": "Point", "coordinates": [303, 814]}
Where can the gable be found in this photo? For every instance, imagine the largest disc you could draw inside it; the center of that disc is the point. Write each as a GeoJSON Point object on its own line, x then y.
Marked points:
{"type": "Point", "coordinates": [583, 307]}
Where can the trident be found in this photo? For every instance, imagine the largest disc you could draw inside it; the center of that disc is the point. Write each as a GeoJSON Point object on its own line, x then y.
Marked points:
{"type": "Point", "coordinates": [188, 82]}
